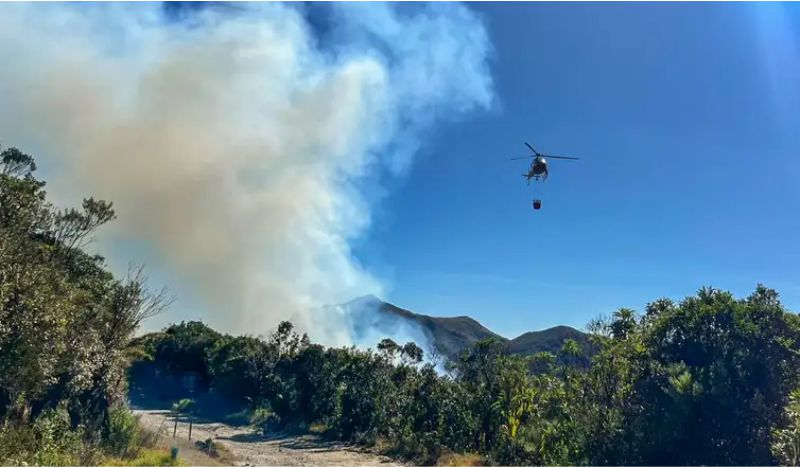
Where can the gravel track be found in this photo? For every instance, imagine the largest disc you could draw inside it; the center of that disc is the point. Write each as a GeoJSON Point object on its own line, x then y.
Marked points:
{"type": "Point", "coordinates": [278, 449]}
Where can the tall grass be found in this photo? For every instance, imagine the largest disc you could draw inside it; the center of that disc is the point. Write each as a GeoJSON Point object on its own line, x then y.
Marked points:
{"type": "Point", "coordinates": [145, 457]}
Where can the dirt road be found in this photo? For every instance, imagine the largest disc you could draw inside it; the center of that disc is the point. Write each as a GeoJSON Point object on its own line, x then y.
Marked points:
{"type": "Point", "coordinates": [253, 449]}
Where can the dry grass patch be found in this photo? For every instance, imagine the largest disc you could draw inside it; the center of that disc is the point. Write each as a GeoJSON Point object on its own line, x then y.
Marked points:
{"type": "Point", "coordinates": [452, 459]}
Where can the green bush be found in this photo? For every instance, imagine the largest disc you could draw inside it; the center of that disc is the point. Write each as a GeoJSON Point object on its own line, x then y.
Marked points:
{"type": "Point", "coordinates": [124, 438]}
{"type": "Point", "coordinates": [47, 441]}
{"type": "Point", "coordinates": [265, 420]}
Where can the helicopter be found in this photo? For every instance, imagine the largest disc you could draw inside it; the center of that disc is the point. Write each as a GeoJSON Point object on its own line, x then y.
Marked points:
{"type": "Point", "coordinates": [538, 169]}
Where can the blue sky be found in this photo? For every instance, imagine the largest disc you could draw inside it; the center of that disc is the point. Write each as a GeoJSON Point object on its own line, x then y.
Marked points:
{"type": "Point", "coordinates": [686, 118]}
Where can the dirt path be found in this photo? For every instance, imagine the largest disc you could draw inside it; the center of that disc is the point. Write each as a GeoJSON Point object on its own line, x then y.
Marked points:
{"type": "Point", "coordinates": [253, 449]}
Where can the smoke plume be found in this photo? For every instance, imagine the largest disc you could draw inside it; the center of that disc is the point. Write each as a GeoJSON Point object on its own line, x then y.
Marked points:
{"type": "Point", "coordinates": [242, 145]}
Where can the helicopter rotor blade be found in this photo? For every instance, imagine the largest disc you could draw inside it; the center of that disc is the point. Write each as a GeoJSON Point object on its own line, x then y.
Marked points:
{"type": "Point", "coordinates": [560, 157]}
{"type": "Point", "coordinates": [518, 158]}
{"type": "Point", "coordinates": [531, 148]}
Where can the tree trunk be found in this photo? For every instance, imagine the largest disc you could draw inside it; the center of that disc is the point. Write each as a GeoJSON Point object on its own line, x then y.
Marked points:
{"type": "Point", "coordinates": [190, 427]}
{"type": "Point", "coordinates": [175, 429]}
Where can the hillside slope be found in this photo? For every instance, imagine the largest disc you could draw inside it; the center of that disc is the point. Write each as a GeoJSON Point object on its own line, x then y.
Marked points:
{"type": "Point", "coordinates": [548, 340]}
{"type": "Point", "coordinates": [450, 335]}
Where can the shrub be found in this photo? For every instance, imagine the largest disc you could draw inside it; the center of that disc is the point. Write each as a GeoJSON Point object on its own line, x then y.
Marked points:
{"type": "Point", "coordinates": [124, 437]}
{"type": "Point", "coordinates": [47, 441]}
{"type": "Point", "coordinates": [215, 450]}
{"type": "Point", "coordinates": [265, 420]}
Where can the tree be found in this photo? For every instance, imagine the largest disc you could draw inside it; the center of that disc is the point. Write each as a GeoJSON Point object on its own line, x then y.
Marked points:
{"type": "Point", "coordinates": [714, 375]}
{"type": "Point", "coordinates": [65, 320]}
{"type": "Point", "coordinates": [711, 375]}
{"type": "Point", "coordinates": [786, 440]}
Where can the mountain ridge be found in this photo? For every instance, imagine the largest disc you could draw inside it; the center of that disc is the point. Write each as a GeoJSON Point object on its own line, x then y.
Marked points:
{"type": "Point", "coordinates": [450, 335]}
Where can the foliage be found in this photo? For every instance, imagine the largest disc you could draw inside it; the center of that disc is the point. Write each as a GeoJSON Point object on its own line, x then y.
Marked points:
{"type": "Point", "coordinates": [124, 437]}
{"type": "Point", "coordinates": [215, 450]}
{"type": "Point", "coordinates": [65, 322]}
{"type": "Point", "coordinates": [709, 380]}
{"type": "Point", "coordinates": [786, 440]}
{"type": "Point", "coordinates": [47, 441]}
{"type": "Point", "coordinates": [265, 420]}
{"type": "Point", "coordinates": [711, 374]}
{"type": "Point", "coordinates": [146, 458]}
{"type": "Point", "coordinates": [183, 406]}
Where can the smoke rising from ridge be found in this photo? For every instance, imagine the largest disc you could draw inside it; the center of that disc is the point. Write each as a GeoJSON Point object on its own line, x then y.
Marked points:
{"type": "Point", "coordinates": [235, 142]}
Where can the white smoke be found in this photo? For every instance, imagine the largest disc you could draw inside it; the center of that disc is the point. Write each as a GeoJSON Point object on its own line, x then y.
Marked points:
{"type": "Point", "coordinates": [236, 142]}
{"type": "Point", "coordinates": [368, 322]}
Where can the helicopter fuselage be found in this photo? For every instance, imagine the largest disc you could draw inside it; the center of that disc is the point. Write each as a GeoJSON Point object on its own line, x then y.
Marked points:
{"type": "Point", "coordinates": [538, 169]}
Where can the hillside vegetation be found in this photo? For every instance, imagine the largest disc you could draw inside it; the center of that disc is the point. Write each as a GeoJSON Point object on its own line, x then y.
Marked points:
{"type": "Point", "coordinates": [713, 375]}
